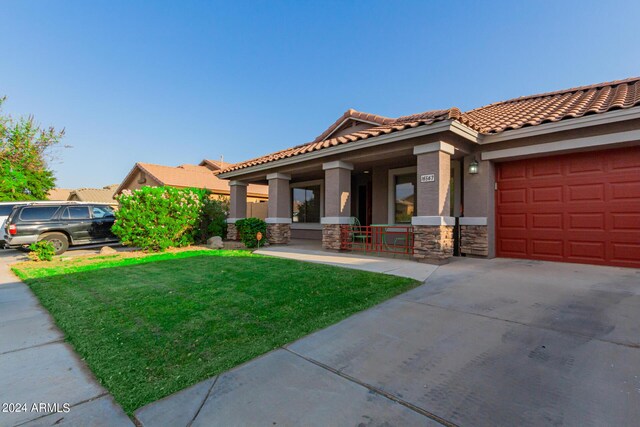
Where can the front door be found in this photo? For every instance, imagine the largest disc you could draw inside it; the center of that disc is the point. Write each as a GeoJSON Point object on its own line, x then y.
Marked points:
{"type": "Point", "coordinates": [363, 206]}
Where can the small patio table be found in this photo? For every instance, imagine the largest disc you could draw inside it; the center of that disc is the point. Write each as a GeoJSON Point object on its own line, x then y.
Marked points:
{"type": "Point", "coordinates": [388, 228]}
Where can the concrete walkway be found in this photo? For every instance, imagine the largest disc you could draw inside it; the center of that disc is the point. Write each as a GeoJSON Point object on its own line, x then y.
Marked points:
{"type": "Point", "coordinates": [38, 367]}
{"type": "Point", "coordinates": [310, 251]}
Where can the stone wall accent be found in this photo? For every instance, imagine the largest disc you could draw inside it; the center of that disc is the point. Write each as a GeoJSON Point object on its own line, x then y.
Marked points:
{"type": "Point", "coordinates": [331, 236]}
{"type": "Point", "coordinates": [433, 243]}
{"type": "Point", "coordinates": [474, 240]}
{"type": "Point", "coordinates": [278, 234]}
{"type": "Point", "coordinates": [232, 232]}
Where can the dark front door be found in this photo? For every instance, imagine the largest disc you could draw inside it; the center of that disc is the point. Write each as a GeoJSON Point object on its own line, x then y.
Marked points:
{"type": "Point", "coordinates": [364, 198]}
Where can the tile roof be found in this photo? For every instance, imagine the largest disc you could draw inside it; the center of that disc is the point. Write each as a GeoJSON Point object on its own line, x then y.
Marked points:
{"type": "Point", "coordinates": [101, 195]}
{"type": "Point", "coordinates": [396, 125]}
{"type": "Point", "coordinates": [59, 193]}
{"type": "Point", "coordinates": [193, 176]}
{"type": "Point", "coordinates": [494, 118]}
{"type": "Point", "coordinates": [356, 115]}
{"type": "Point", "coordinates": [215, 165]}
{"type": "Point", "coordinates": [552, 107]}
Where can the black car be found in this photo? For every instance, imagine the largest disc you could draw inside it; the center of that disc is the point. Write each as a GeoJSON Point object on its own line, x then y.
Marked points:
{"type": "Point", "coordinates": [63, 224]}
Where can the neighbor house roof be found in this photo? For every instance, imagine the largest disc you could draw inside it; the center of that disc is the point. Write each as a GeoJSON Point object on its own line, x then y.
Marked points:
{"type": "Point", "coordinates": [191, 176]}
{"type": "Point", "coordinates": [494, 118]}
{"type": "Point", "coordinates": [214, 165]}
{"type": "Point", "coordinates": [100, 195]}
{"type": "Point", "coordinates": [59, 193]}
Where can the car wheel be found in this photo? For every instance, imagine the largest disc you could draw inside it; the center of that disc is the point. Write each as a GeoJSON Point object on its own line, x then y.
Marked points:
{"type": "Point", "coordinates": [58, 240]}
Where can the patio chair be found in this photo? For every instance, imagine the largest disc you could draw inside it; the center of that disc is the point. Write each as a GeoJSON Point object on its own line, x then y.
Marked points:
{"type": "Point", "coordinates": [356, 234]}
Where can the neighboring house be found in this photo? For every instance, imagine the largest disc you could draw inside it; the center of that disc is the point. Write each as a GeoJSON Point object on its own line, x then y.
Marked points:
{"type": "Point", "coordinates": [204, 176]}
{"type": "Point", "coordinates": [554, 176]}
{"type": "Point", "coordinates": [59, 194]}
{"type": "Point", "coordinates": [102, 195]}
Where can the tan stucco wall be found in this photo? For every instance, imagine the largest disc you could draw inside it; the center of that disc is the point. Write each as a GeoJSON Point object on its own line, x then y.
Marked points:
{"type": "Point", "coordinates": [280, 195]}
{"type": "Point", "coordinates": [133, 184]}
{"type": "Point", "coordinates": [337, 191]}
{"type": "Point", "coordinates": [433, 198]}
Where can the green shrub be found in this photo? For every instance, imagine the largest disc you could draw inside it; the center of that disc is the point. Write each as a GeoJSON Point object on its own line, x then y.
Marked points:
{"type": "Point", "coordinates": [213, 221]}
{"type": "Point", "coordinates": [248, 228]}
{"type": "Point", "coordinates": [41, 251]}
{"type": "Point", "coordinates": [156, 218]}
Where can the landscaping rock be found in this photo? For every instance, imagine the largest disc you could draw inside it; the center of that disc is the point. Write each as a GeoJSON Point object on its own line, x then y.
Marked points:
{"type": "Point", "coordinates": [215, 242]}
{"type": "Point", "coordinates": [107, 250]}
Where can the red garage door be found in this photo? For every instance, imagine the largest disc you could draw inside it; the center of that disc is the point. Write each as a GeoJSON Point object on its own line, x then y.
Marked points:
{"type": "Point", "coordinates": [581, 207]}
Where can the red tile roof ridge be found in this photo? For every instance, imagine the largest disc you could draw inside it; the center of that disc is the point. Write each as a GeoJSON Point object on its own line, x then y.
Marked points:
{"type": "Point", "coordinates": [613, 83]}
{"type": "Point", "coordinates": [353, 114]}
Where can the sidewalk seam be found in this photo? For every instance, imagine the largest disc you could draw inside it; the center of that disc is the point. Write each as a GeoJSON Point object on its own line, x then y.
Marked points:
{"type": "Point", "coordinates": [376, 390]}
{"type": "Point", "coordinates": [106, 393]}
{"type": "Point", "coordinates": [61, 340]}
{"type": "Point", "coordinates": [203, 402]}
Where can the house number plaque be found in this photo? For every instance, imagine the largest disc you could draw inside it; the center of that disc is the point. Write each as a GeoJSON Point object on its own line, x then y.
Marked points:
{"type": "Point", "coordinates": [431, 177]}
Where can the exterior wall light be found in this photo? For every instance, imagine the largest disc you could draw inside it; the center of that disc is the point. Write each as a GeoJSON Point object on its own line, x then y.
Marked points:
{"type": "Point", "coordinates": [473, 166]}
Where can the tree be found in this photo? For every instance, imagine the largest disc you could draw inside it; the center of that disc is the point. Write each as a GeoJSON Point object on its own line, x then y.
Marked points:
{"type": "Point", "coordinates": [24, 174]}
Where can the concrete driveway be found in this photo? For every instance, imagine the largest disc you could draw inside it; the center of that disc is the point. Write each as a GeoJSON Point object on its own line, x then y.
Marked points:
{"type": "Point", "coordinates": [482, 343]}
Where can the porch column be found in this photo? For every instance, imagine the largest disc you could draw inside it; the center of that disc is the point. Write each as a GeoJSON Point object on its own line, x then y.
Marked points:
{"type": "Point", "coordinates": [237, 207]}
{"type": "Point", "coordinates": [433, 225]}
{"type": "Point", "coordinates": [337, 202]}
{"type": "Point", "coordinates": [477, 234]}
{"type": "Point", "coordinates": [279, 209]}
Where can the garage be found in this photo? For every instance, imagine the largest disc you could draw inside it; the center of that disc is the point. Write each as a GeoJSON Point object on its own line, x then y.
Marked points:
{"type": "Point", "coordinates": [581, 207]}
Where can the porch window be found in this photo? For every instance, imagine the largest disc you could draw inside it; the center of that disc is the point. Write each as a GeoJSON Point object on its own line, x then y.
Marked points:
{"type": "Point", "coordinates": [405, 198]}
{"type": "Point", "coordinates": [306, 204]}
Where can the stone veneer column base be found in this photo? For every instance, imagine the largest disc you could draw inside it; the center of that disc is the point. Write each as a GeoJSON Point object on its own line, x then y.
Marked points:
{"type": "Point", "coordinates": [278, 234]}
{"type": "Point", "coordinates": [331, 236]}
{"type": "Point", "coordinates": [433, 243]}
{"type": "Point", "coordinates": [232, 232]}
{"type": "Point", "coordinates": [474, 240]}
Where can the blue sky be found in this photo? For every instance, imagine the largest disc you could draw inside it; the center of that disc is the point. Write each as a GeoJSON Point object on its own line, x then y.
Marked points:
{"type": "Point", "coordinates": [175, 82]}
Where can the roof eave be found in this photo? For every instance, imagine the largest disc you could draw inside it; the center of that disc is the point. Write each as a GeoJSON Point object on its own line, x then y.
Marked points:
{"type": "Point", "coordinates": [451, 125]}
{"type": "Point", "coordinates": [563, 125]}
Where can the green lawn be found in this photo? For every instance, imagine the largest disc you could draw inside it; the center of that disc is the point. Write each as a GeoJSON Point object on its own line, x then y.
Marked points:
{"type": "Point", "coordinates": [151, 326]}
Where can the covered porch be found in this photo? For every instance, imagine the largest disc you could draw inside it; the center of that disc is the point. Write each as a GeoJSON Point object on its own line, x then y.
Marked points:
{"type": "Point", "coordinates": [397, 199]}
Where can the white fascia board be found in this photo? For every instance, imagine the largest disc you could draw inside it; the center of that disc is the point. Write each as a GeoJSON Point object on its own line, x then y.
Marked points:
{"type": "Point", "coordinates": [344, 148]}
{"type": "Point", "coordinates": [464, 131]}
{"type": "Point", "coordinates": [566, 145]}
{"type": "Point", "coordinates": [563, 125]}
